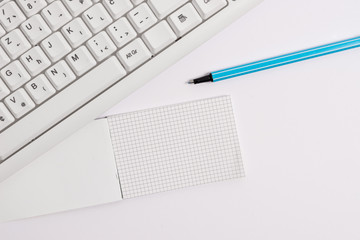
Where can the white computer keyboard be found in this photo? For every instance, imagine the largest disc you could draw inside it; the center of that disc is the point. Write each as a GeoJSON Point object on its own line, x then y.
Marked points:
{"type": "Point", "coordinates": [58, 56]}
{"type": "Point", "coordinates": [46, 45]}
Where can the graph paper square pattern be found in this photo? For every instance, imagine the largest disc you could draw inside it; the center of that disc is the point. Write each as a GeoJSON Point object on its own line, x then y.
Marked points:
{"type": "Point", "coordinates": [175, 146]}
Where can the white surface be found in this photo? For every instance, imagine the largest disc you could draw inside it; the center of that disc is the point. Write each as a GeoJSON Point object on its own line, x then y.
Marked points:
{"type": "Point", "coordinates": [299, 132]}
{"type": "Point", "coordinates": [41, 187]}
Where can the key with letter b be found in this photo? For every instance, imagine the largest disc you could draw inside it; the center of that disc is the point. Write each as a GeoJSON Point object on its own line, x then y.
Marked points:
{"type": "Point", "coordinates": [40, 89]}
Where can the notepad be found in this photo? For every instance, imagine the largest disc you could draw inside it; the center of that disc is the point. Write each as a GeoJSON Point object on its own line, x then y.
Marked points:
{"type": "Point", "coordinates": [175, 146]}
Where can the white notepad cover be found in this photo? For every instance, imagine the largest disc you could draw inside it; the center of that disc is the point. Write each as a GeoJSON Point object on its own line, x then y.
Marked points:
{"type": "Point", "coordinates": [129, 155]}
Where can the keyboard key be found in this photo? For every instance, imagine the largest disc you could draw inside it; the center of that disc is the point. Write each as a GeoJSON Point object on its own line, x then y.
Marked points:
{"type": "Point", "coordinates": [40, 89]}
{"type": "Point", "coordinates": [2, 31]}
{"type": "Point", "coordinates": [209, 8]}
{"type": "Point", "coordinates": [184, 19]}
{"type": "Point", "coordinates": [56, 46]}
{"type": "Point", "coordinates": [76, 32]}
{"type": "Point", "coordinates": [41, 118]}
{"type": "Point", "coordinates": [159, 37]}
{"type": "Point", "coordinates": [162, 8]}
{"type": "Point", "coordinates": [136, 2]}
{"type": "Point", "coordinates": [76, 6]}
{"type": "Point", "coordinates": [56, 15]}
{"type": "Point", "coordinates": [121, 32]}
{"type": "Point", "coordinates": [5, 117]}
{"type": "Point", "coordinates": [60, 75]}
{"type": "Point", "coordinates": [4, 59]}
{"type": "Point", "coordinates": [134, 54]}
{"type": "Point", "coordinates": [101, 46]}
{"type": "Point", "coordinates": [31, 7]}
{"type": "Point", "coordinates": [15, 75]}
{"type": "Point", "coordinates": [81, 60]}
{"type": "Point", "coordinates": [118, 8]}
{"type": "Point", "coordinates": [2, 3]}
{"type": "Point", "coordinates": [11, 16]}
{"type": "Point", "coordinates": [142, 17]}
{"type": "Point", "coordinates": [15, 43]}
{"type": "Point", "coordinates": [35, 61]}
{"type": "Point", "coordinates": [97, 18]}
{"type": "Point", "coordinates": [35, 29]}
{"type": "Point", "coordinates": [4, 91]}
{"type": "Point", "coordinates": [19, 103]}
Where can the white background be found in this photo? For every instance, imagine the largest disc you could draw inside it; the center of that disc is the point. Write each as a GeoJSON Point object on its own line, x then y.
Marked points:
{"type": "Point", "coordinates": [299, 129]}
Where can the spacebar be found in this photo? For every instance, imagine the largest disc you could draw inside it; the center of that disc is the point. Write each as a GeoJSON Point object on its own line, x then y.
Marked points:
{"type": "Point", "coordinates": [60, 106]}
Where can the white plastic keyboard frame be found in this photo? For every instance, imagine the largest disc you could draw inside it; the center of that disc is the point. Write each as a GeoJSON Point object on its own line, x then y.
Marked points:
{"type": "Point", "coordinates": [126, 86]}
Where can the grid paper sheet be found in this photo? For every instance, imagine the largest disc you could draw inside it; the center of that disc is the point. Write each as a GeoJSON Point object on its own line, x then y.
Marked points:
{"type": "Point", "coordinates": [176, 146]}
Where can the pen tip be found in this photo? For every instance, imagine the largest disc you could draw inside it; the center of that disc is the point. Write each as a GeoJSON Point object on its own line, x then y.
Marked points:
{"type": "Point", "coordinates": [191, 82]}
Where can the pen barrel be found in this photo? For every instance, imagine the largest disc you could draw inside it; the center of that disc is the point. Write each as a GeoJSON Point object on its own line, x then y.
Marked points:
{"type": "Point", "coordinates": [285, 59]}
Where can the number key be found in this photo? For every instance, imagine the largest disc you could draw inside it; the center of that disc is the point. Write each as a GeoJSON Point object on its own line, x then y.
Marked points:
{"type": "Point", "coordinates": [31, 7]}
{"type": "Point", "coordinates": [11, 16]}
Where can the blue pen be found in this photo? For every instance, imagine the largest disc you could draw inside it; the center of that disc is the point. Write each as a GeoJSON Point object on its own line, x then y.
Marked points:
{"type": "Point", "coordinates": [279, 61]}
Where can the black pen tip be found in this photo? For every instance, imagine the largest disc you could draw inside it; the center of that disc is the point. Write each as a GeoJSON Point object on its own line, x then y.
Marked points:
{"type": "Point", "coordinates": [207, 78]}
